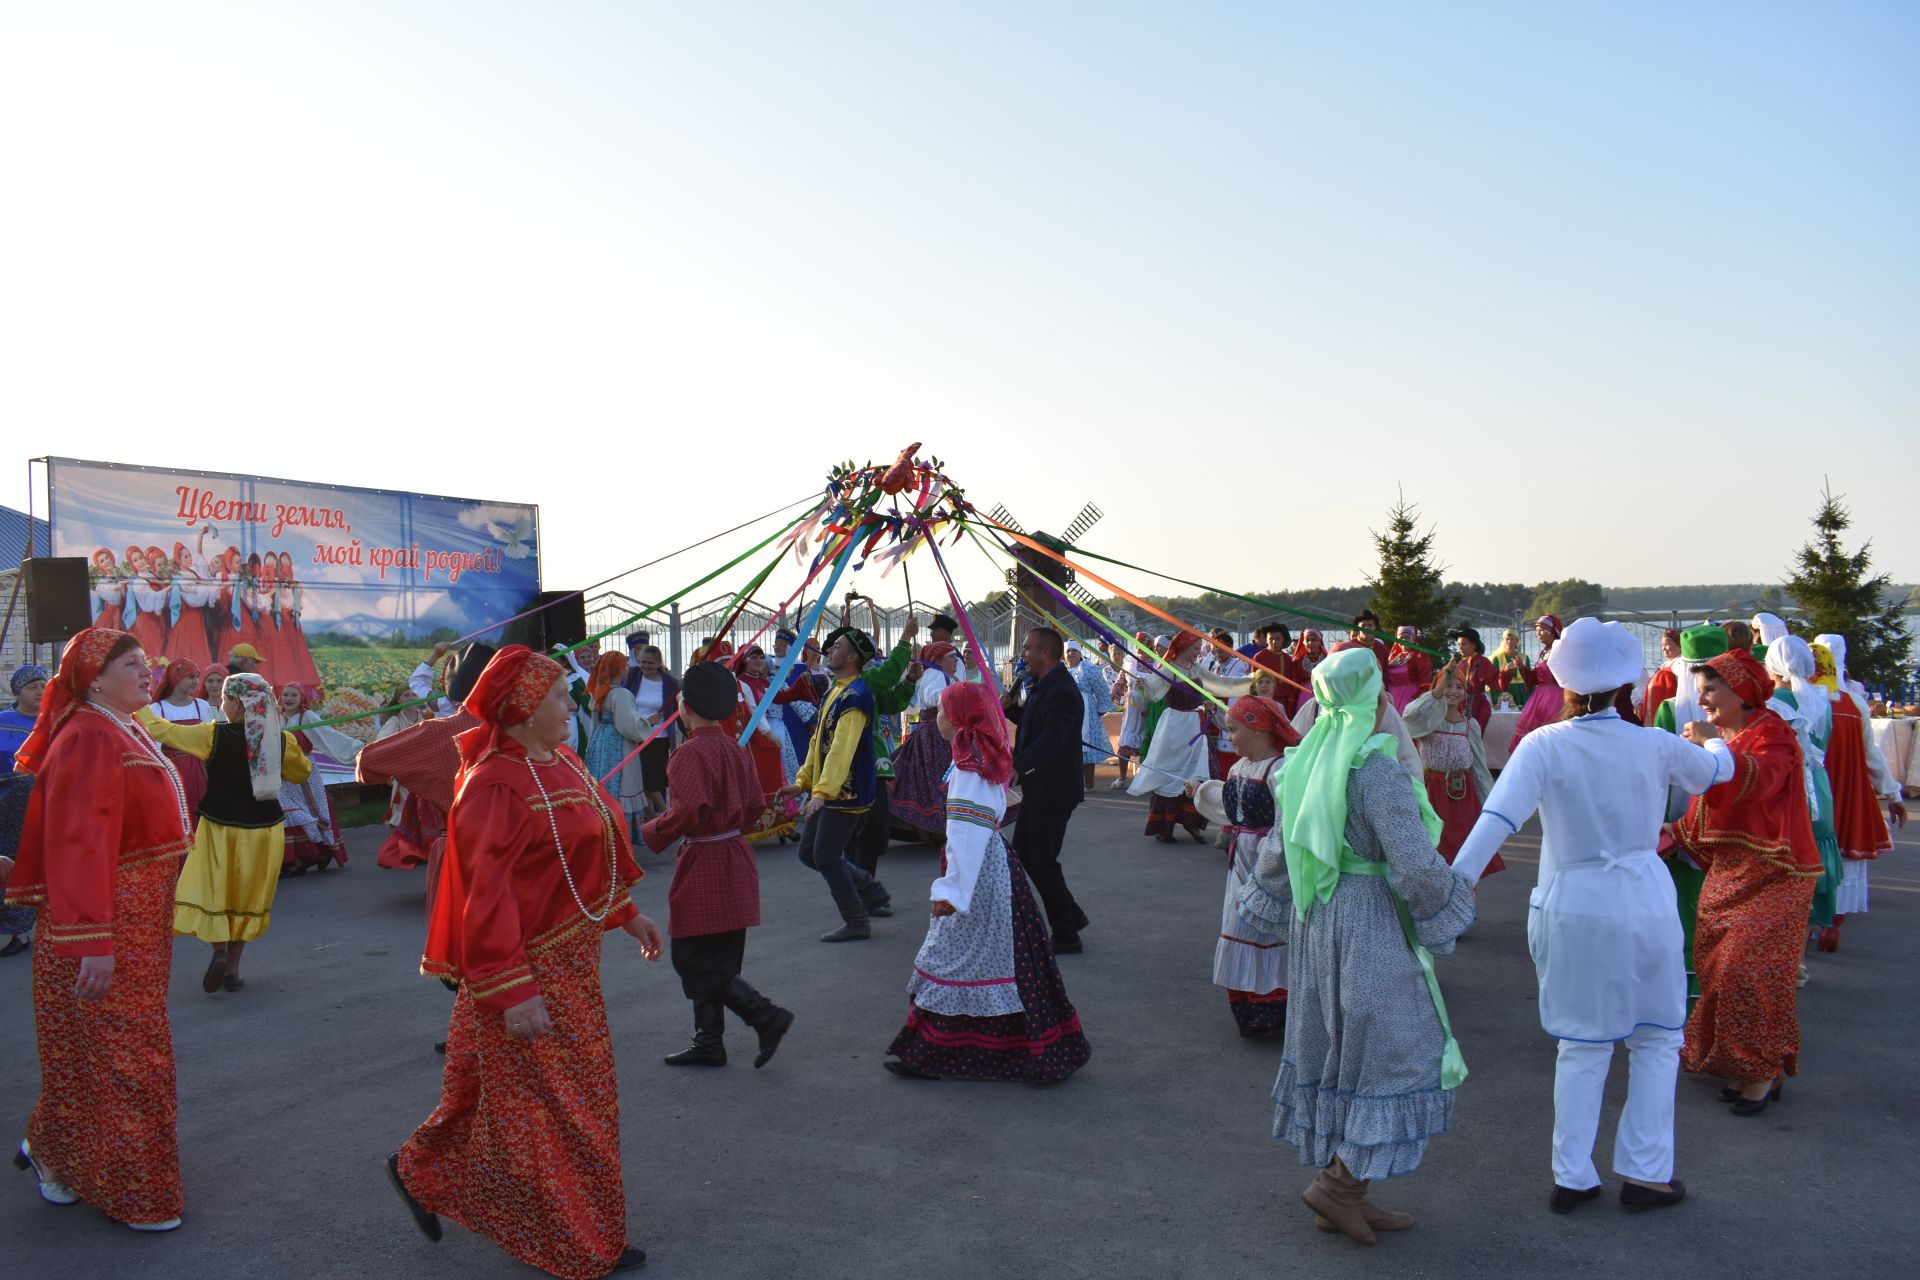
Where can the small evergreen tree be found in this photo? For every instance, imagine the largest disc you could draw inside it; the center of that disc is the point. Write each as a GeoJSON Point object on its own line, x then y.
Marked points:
{"type": "Point", "coordinates": [1836, 594]}
{"type": "Point", "coordinates": [1408, 589]}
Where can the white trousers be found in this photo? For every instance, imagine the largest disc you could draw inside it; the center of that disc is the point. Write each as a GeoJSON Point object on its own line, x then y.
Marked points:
{"type": "Point", "coordinates": [1643, 1144]}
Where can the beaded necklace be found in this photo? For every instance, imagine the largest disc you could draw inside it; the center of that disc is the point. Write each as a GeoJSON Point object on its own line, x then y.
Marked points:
{"type": "Point", "coordinates": [148, 748]}
{"type": "Point", "coordinates": [606, 833]}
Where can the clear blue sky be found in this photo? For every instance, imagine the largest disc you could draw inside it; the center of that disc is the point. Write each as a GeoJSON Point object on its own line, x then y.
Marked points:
{"type": "Point", "coordinates": [1607, 289]}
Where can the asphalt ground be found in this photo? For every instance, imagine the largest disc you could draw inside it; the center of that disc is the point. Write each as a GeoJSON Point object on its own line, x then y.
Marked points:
{"type": "Point", "coordinates": [1155, 1160]}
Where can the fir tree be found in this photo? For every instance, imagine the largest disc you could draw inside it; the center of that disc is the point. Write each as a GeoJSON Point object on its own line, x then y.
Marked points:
{"type": "Point", "coordinates": [1408, 589]}
{"type": "Point", "coordinates": [1836, 595]}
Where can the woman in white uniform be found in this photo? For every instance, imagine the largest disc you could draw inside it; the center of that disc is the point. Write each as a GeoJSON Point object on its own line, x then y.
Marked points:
{"type": "Point", "coordinates": [1604, 927]}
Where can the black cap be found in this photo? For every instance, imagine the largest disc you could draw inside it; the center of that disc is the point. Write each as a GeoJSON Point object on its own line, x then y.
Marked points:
{"type": "Point", "coordinates": [466, 672]}
{"type": "Point", "coordinates": [710, 690]}
{"type": "Point", "coordinates": [1468, 633]}
{"type": "Point", "coordinates": [861, 641]}
{"type": "Point", "coordinates": [941, 622]}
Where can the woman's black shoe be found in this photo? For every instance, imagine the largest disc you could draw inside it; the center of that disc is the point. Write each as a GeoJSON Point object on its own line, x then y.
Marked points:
{"type": "Point", "coordinates": [1566, 1199]}
{"type": "Point", "coordinates": [15, 945]}
{"type": "Point", "coordinates": [429, 1224]}
{"type": "Point", "coordinates": [1753, 1107]}
{"type": "Point", "coordinates": [631, 1259]}
{"type": "Point", "coordinates": [1634, 1197]}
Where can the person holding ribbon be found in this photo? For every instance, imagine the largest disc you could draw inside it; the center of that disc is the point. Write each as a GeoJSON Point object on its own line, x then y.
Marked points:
{"type": "Point", "coordinates": [106, 826]}
{"type": "Point", "coordinates": [1350, 875]}
{"type": "Point", "coordinates": [718, 794]}
{"type": "Point", "coordinates": [1545, 704]}
{"type": "Point", "coordinates": [1248, 962]}
{"type": "Point", "coordinates": [525, 1144]}
{"type": "Point", "coordinates": [838, 780]}
{"type": "Point", "coordinates": [1178, 751]}
{"type": "Point", "coordinates": [1604, 928]}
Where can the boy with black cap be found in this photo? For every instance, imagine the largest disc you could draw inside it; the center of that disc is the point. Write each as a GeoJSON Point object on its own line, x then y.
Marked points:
{"type": "Point", "coordinates": [714, 897]}
{"type": "Point", "coordinates": [839, 773]}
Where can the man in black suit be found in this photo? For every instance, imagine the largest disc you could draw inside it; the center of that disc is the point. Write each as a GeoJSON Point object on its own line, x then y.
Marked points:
{"type": "Point", "coordinates": [1046, 767]}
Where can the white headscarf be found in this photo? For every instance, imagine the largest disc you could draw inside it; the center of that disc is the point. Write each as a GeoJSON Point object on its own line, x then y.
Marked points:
{"type": "Point", "coordinates": [1770, 627]}
{"type": "Point", "coordinates": [1789, 658]}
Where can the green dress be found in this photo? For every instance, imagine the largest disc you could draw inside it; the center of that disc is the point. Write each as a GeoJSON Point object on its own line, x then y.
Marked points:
{"type": "Point", "coordinates": [1687, 878]}
{"type": "Point", "coordinates": [1826, 891]}
{"type": "Point", "coordinates": [1513, 672]}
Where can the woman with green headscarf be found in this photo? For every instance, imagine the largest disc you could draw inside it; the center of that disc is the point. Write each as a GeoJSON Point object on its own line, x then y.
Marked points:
{"type": "Point", "coordinates": [1350, 872]}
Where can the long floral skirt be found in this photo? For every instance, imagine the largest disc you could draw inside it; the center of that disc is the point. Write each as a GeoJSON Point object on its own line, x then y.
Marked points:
{"type": "Point", "coordinates": [1042, 1043]}
{"type": "Point", "coordinates": [106, 1121]}
{"type": "Point", "coordinates": [1747, 940]}
{"type": "Point", "coordinates": [525, 1144]}
{"type": "Point", "coordinates": [919, 795]}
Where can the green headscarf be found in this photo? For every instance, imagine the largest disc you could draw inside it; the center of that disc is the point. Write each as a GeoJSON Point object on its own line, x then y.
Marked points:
{"type": "Point", "coordinates": [1312, 784]}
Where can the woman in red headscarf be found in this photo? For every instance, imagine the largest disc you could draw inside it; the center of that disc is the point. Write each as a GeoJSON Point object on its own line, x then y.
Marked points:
{"type": "Point", "coordinates": [525, 1144]}
{"type": "Point", "coordinates": [1754, 836]}
{"type": "Point", "coordinates": [749, 669]}
{"type": "Point", "coordinates": [106, 826]}
{"type": "Point", "coordinates": [988, 1003]}
{"type": "Point", "coordinates": [178, 701]}
{"type": "Point", "coordinates": [1249, 962]}
{"type": "Point", "coordinates": [1546, 704]}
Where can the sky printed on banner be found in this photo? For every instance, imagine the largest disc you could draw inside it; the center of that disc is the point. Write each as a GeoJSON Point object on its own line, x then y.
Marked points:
{"type": "Point", "coordinates": [1607, 290]}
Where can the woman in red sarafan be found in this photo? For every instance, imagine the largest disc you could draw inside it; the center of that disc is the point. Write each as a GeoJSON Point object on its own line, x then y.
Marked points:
{"type": "Point", "coordinates": [1754, 836]}
{"type": "Point", "coordinates": [525, 1144]}
{"type": "Point", "coordinates": [106, 826]}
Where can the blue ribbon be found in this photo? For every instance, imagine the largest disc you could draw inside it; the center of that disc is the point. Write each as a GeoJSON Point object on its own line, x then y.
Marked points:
{"type": "Point", "coordinates": [779, 680]}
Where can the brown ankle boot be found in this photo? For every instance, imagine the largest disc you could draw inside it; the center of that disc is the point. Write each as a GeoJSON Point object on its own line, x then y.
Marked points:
{"type": "Point", "coordinates": [1336, 1196]}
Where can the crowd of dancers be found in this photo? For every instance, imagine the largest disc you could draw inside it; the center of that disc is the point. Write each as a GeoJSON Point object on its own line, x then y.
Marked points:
{"type": "Point", "coordinates": [1695, 828]}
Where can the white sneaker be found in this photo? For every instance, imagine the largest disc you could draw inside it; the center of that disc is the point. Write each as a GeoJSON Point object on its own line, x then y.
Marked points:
{"type": "Point", "coordinates": [169, 1225]}
{"type": "Point", "coordinates": [52, 1190]}
{"type": "Point", "coordinates": [1117, 784]}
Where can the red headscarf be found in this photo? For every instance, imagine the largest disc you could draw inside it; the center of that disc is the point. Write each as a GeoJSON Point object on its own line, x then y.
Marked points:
{"type": "Point", "coordinates": [215, 669]}
{"type": "Point", "coordinates": [1181, 643]}
{"type": "Point", "coordinates": [1304, 649]}
{"type": "Point", "coordinates": [755, 685]}
{"type": "Point", "coordinates": [1552, 623]}
{"type": "Point", "coordinates": [80, 665]}
{"type": "Point", "coordinates": [175, 673]}
{"type": "Point", "coordinates": [932, 654]}
{"type": "Point", "coordinates": [511, 686]}
{"type": "Point", "coordinates": [1742, 674]}
{"type": "Point", "coordinates": [1264, 715]}
{"type": "Point", "coordinates": [980, 745]}
{"type": "Point", "coordinates": [607, 672]}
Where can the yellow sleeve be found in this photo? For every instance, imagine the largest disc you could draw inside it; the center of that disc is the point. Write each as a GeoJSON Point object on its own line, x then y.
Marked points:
{"type": "Point", "coordinates": [194, 739]}
{"type": "Point", "coordinates": [294, 765]}
{"type": "Point", "coordinates": [839, 761]}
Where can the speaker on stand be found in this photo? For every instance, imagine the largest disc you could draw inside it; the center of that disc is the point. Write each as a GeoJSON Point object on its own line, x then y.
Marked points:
{"type": "Point", "coordinates": [57, 598]}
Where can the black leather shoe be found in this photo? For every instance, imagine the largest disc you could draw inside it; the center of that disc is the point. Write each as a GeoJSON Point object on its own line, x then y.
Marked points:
{"type": "Point", "coordinates": [1634, 1197]}
{"type": "Point", "coordinates": [698, 1054]}
{"type": "Point", "coordinates": [1067, 944]}
{"type": "Point", "coordinates": [1566, 1199]}
{"type": "Point", "coordinates": [429, 1224]}
{"type": "Point", "coordinates": [15, 945]}
{"type": "Point", "coordinates": [631, 1259]}
{"type": "Point", "coordinates": [770, 1036]}
{"type": "Point", "coordinates": [1080, 920]}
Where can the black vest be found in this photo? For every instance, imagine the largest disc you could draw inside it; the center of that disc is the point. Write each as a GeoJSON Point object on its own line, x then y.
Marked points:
{"type": "Point", "coordinates": [229, 800]}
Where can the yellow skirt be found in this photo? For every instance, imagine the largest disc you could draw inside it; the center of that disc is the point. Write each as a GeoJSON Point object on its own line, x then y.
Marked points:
{"type": "Point", "coordinates": [226, 888]}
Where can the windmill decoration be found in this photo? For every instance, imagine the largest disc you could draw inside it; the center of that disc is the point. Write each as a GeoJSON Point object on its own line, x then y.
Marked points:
{"type": "Point", "coordinates": [1020, 606]}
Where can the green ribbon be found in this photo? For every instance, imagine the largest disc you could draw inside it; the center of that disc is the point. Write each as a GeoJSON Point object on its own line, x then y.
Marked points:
{"type": "Point", "coordinates": [647, 612]}
{"type": "Point", "coordinates": [1453, 1064]}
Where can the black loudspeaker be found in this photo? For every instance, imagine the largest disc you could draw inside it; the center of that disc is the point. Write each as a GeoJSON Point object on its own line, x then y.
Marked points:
{"type": "Point", "coordinates": [57, 594]}
{"type": "Point", "coordinates": [563, 618]}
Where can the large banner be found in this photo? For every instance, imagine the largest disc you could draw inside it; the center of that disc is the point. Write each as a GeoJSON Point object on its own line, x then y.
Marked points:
{"type": "Point", "coordinates": [333, 586]}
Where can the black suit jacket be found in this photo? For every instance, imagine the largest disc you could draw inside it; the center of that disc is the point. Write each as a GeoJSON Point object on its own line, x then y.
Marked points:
{"type": "Point", "coordinates": [1046, 746]}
